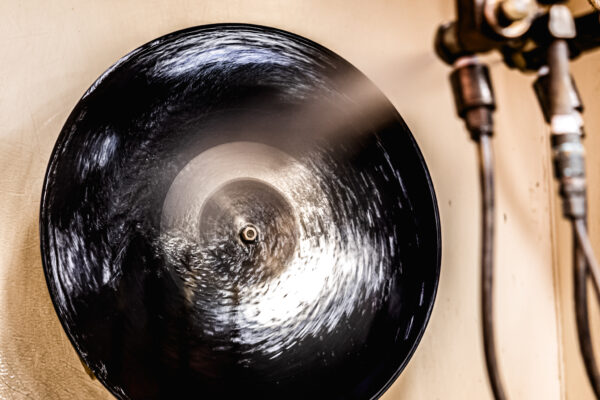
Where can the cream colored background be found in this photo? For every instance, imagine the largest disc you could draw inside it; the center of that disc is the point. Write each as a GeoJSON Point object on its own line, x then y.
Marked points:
{"type": "Point", "coordinates": [51, 51]}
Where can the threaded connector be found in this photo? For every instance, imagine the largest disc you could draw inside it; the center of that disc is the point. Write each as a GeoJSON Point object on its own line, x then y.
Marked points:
{"type": "Point", "coordinates": [568, 155]}
{"type": "Point", "coordinates": [473, 96]}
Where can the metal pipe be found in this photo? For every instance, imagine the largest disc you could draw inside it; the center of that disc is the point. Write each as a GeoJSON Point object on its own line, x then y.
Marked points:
{"type": "Point", "coordinates": [560, 78]}
{"type": "Point", "coordinates": [570, 170]}
{"type": "Point", "coordinates": [475, 104]}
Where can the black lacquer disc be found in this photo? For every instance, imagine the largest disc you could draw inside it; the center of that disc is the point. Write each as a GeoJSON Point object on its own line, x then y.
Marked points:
{"type": "Point", "coordinates": [233, 211]}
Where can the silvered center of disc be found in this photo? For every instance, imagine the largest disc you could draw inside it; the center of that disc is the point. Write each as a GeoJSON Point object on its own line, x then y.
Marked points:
{"type": "Point", "coordinates": [269, 251]}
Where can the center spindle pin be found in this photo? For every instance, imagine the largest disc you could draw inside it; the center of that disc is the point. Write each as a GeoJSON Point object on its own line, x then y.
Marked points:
{"type": "Point", "coordinates": [249, 234]}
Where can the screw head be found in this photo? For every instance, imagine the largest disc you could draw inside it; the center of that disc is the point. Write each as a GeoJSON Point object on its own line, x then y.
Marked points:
{"type": "Point", "coordinates": [249, 234]}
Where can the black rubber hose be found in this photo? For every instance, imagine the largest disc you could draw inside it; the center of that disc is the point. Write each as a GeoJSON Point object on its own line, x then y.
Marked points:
{"type": "Point", "coordinates": [583, 241]}
{"type": "Point", "coordinates": [580, 270]}
{"type": "Point", "coordinates": [486, 163]}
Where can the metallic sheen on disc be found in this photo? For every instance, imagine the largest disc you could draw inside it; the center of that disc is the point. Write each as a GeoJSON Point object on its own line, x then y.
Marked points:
{"type": "Point", "coordinates": [233, 211]}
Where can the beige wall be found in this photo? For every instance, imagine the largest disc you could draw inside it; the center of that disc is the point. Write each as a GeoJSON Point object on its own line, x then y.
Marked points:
{"type": "Point", "coordinates": [52, 51]}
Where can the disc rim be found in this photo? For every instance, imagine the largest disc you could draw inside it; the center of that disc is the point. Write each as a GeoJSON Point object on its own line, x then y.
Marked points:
{"type": "Point", "coordinates": [62, 141]}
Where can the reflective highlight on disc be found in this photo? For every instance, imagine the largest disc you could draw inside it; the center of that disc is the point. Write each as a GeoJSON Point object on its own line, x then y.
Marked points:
{"type": "Point", "coordinates": [233, 211]}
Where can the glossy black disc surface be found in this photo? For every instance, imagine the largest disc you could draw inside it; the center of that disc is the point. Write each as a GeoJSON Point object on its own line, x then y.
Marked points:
{"type": "Point", "coordinates": [233, 211]}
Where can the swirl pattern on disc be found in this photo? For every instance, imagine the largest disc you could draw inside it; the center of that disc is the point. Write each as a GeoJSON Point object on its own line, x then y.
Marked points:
{"type": "Point", "coordinates": [233, 210]}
